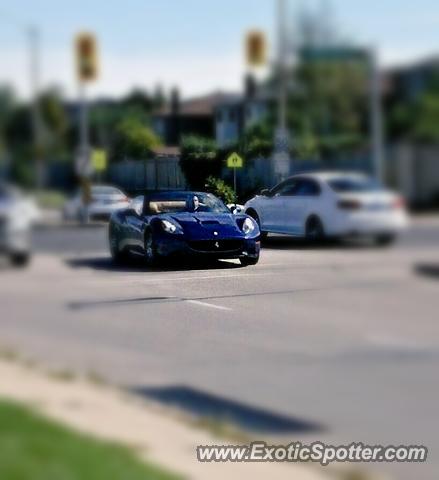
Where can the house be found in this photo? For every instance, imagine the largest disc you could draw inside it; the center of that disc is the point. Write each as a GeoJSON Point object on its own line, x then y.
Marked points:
{"type": "Point", "coordinates": [220, 115]}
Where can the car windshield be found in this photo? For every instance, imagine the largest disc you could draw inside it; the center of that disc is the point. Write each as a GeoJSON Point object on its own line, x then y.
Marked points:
{"type": "Point", "coordinates": [354, 185]}
{"type": "Point", "coordinates": [184, 202]}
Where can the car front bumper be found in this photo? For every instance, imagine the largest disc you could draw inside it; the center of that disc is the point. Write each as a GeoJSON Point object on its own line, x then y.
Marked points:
{"type": "Point", "coordinates": [222, 248]}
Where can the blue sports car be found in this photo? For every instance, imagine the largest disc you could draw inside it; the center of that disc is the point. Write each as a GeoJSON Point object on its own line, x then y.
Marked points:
{"type": "Point", "coordinates": [192, 224]}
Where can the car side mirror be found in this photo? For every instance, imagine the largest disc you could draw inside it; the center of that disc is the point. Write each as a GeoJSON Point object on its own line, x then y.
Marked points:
{"type": "Point", "coordinates": [235, 209]}
{"type": "Point", "coordinates": [265, 192]}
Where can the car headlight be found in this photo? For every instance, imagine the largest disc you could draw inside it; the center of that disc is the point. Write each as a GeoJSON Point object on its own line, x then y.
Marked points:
{"type": "Point", "coordinates": [248, 226]}
{"type": "Point", "coordinates": [169, 227]}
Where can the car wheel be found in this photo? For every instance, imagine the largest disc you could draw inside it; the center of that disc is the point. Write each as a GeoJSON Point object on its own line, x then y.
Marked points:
{"type": "Point", "coordinates": [255, 216]}
{"type": "Point", "coordinates": [20, 259]}
{"type": "Point", "coordinates": [151, 255]}
{"type": "Point", "coordinates": [117, 255]}
{"type": "Point", "coordinates": [314, 231]}
{"type": "Point", "coordinates": [247, 261]}
{"type": "Point", "coordinates": [385, 240]}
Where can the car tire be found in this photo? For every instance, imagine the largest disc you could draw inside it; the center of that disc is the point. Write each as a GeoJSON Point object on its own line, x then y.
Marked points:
{"type": "Point", "coordinates": [20, 259]}
{"type": "Point", "coordinates": [314, 231]}
{"type": "Point", "coordinates": [151, 255]}
{"type": "Point", "coordinates": [248, 261]}
{"type": "Point", "coordinates": [385, 239]}
{"type": "Point", "coordinates": [255, 216]}
{"type": "Point", "coordinates": [119, 256]}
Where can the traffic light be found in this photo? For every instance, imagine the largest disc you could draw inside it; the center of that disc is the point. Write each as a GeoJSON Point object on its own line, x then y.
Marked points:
{"type": "Point", "coordinates": [256, 49]}
{"type": "Point", "coordinates": [86, 57]}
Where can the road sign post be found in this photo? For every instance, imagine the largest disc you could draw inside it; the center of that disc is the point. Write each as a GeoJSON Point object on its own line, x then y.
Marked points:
{"type": "Point", "coordinates": [234, 161]}
{"type": "Point", "coordinates": [99, 161]}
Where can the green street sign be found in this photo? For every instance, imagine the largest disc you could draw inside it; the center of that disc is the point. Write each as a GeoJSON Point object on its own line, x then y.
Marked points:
{"type": "Point", "coordinates": [99, 160]}
{"type": "Point", "coordinates": [235, 161]}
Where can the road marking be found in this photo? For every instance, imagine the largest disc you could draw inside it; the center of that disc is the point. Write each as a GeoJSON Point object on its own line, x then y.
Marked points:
{"type": "Point", "coordinates": [209, 305]}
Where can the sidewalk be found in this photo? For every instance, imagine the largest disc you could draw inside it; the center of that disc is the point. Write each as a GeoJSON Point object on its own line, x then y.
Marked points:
{"type": "Point", "coordinates": [157, 435]}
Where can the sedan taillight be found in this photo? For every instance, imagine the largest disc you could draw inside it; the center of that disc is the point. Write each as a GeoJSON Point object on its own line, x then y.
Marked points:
{"type": "Point", "coordinates": [398, 203]}
{"type": "Point", "coordinates": [349, 204]}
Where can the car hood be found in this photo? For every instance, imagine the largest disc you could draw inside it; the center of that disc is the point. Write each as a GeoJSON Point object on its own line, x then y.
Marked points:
{"type": "Point", "coordinates": [204, 225]}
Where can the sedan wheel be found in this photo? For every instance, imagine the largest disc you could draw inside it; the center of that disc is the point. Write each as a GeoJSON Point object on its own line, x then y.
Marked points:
{"type": "Point", "coordinates": [385, 240]}
{"type": "Point", "coordinates": [314, 230]}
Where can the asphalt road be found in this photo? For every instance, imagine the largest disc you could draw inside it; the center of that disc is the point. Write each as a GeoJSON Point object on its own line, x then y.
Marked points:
{"type": "Point", "coordinates": [337, 342]}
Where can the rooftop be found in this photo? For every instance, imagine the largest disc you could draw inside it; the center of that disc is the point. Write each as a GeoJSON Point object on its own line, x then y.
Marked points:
{"type": "Point", "coordinates": [203, 105]}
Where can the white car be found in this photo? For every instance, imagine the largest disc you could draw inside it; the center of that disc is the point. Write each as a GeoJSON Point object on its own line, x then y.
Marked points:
{"type": "Point", "coordinates": [17, 216]}
{"type": "Point", "coordinates": [318, 205]}
{"type": "Point", "coordinates": [104, 201]}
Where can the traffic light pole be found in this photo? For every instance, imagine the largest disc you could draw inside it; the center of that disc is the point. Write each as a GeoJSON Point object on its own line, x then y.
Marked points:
{"type": "Point", "coordinates": [281, 157]}
{"type": "Point", "coordinates": [84, 152]}
{"type": "Point", "coordinates": [282, 113]}
{"type": "Point", "coordinates": [83, 119]}
{"type": "Point", "coordinates": [376, 118]}
{"type": "Point", "coordinates": [37, 126]}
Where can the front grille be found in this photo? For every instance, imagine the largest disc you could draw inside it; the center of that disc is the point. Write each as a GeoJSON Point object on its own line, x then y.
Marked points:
{"type": "Point", "coordinates": [211, 246]}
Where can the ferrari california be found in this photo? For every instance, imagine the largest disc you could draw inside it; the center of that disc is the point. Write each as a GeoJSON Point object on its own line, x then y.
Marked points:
{"type": "Point", "coordinates": [174, 224]}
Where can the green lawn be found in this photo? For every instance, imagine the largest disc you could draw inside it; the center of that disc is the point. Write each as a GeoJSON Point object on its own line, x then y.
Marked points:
{"type": "Point", "coordinates": [33, 448]}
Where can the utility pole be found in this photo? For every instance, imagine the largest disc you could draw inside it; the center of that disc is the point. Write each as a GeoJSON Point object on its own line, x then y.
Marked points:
{"type": "Point", "coordinates": [37, 125]}
{"type": "Point", "coordinates": [376, 118]}
{"type": "Point", "coordinates": [281, 157]}
{"type": "Point", "coordinates": [282, 98]}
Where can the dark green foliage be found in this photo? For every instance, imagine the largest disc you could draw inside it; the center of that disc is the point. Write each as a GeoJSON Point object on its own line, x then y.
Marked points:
{"type": "Point", "coordinates": [199, 160]}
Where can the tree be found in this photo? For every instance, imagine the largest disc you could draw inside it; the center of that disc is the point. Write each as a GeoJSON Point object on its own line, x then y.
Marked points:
{"type": "Point", "coordinates": [199, 160]}
{"type": "Point", "coordinates": [134, 139]}
{"type": "Point", "coordinates": [327, 109]}
{"type": "Point", "coordinates": [7, 105]}
{"type": "Point", "coordinates": [257, 140]}
{"type": "Point", "coordinates": [55, 122]}
{"type": "Point", "coordinates": [416, 120]}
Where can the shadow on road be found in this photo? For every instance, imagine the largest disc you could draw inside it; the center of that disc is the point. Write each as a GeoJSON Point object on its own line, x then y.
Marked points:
{"type": "Point", "coordinates": [107, 264]}
{"type": "Point", "coordinates": [219, 409]}
{"type": "Point", "coordinates": [285, 242]}
{"type": "Point", "coordinates": [430, 270]}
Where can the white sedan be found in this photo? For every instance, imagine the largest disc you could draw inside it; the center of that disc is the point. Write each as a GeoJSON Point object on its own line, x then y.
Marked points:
{"type": "Point", "coordinates": [319, 205]}
{"type": "Point", "coordinates": [18, 213]}
{"type": "Point", "coordinates": [104, 201]}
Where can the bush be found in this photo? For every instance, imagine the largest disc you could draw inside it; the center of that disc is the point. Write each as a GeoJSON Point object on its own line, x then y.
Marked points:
{"type": "Point", "coordinates": [199, 160]}
{"type": "Point", "coordinates": [220, 188]}
{"type": "Point", "coordinates": [134, 139]}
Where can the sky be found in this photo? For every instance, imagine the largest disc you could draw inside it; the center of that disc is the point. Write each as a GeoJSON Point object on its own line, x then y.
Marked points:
{"type": "Point", "coordinates": [196, 45]}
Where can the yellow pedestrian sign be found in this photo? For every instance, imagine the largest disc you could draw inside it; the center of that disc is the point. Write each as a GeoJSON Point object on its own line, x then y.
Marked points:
{"type": "Point", "coordinates": [235, 161]}
{"type": "Point", "coordinates": [99, 160]}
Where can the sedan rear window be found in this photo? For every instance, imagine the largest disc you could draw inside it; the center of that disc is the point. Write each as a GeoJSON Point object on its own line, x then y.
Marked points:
{"type": "Point", "coordinates": [354, 185]}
